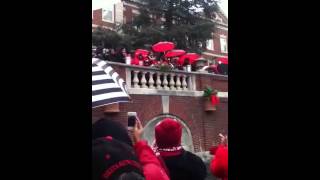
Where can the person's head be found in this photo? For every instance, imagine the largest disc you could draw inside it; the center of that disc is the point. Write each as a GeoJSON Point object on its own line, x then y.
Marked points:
{"type": "Point", "coordinates": [168, 137]}
{"type": "Point", "coordinates": [123, 50]}
{"type": "Point", "coordinates": [187, 61]}
{"type": "Point", "coordinates": [114, 160]}
{"type": "Point", "coordinates": [105, 127]}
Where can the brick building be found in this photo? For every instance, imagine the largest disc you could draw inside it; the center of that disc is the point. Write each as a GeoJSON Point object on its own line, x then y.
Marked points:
{"type": "Point", "coordinates": [126, 10]}
{"type": "Point", "coordinates": [153, 101]}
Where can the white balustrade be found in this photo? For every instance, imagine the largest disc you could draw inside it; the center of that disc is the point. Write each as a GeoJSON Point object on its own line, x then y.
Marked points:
{"type": "Point", "coordinates": [171, 83]}
{"type": "Point", "coordinates": [135, 79]}
{"type": "Point", "coordinates": [184, 82]}
{"type": "Point", "coordinates": [178, 83]}
{"type": "Point", "coordinates": [151, 81]}
{"type": "Point", "coordinates": [165, 82]}
{"type": "Point", "coordinates": [159, 80]}
{"type": "Point", "coordinates": [144, 80]}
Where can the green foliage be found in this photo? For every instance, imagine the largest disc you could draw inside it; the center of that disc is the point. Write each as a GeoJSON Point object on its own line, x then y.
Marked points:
{"type": "Point", "coordinates": [186, 23]}
{"type": "Point", "coordinates": [106, 38]}
{"type": "Point", "coordinates": [208, 91]}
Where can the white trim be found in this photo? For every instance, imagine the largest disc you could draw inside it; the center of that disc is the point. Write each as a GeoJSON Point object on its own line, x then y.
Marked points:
{"type": "Point", "coordinates": [223, 37]}
{"type": "Point", "coordinates": [147, 92]}
{"type": "Point", "coordinates": [106, 27]}
{"type": "Point", "coordinates": [135, 11]}
{"type": "Point", "coordinates": [215, 55]}
{"type": "Point", "coordinates": [221, 27]}
{"type": "Point", "coordinates": [131, 5]}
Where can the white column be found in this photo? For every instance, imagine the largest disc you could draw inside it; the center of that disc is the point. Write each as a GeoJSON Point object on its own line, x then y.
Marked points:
{"type": "Point", "coordinates": [184, 83]}
{"type": "Point", "coordinates": [171, 83]}
{"type": "Point", "coordinates": [151, 81]}
{"type": "Point", "coordinates": [178, 83]}
{"type": "Point", "coordinates": [143, 80]}
{"type": "Point", "coordinates": [158, 82]}
{"type": "Point", "coordinates": [135, 79]}
{"type": "Point", "coordinates": [165, 81]}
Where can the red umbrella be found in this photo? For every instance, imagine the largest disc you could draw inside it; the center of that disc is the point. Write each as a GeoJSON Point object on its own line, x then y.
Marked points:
{"type": "Point", "coordinates": [223, 60]}
{"type": "Point", "coordinates": [191, 56]}
{"type": "Point", "coordinates": [175, 53]}
{"type": "Point", "coordinates": [143, 52]}
{"type": "Point", "coordinates": [163, 46]}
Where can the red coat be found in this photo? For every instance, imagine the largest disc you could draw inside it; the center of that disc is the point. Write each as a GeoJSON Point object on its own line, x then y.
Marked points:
{"type": "Point", "coordinates": [152, 168]}
{"type": "Point", "coordinates": [219, 164]}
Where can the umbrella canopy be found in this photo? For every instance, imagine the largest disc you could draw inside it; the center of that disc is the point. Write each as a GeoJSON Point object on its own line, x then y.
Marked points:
{"type": "Point", "coordinates": [222, 60]}
{"type": "Point", "coordinates": [107, 86]}
{"type": "Point", "coordinates": [143, 52]}
{"type": "Point", "coordinates": [175, 53]}
{"type": "Point", "coordinates": [163, 46]}
{"type": "Point", "coordinates": [191, 56]}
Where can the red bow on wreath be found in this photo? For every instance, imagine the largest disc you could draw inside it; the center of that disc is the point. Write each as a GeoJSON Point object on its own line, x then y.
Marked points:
{"type": "Point", "coordinates": [214, 99]}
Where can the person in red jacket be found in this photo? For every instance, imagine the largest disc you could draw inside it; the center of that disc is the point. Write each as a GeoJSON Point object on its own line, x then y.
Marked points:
{"type": "Point", "coordinates": [219, 164]}
{"type": "Point", "coordinates": [152, 168]}
{"type": "Point", "coordinates": [114, 158]}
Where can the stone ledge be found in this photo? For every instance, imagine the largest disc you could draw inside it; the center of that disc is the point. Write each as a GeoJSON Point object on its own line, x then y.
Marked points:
{"type": "Point", "coordinates": [215, 76]}
{"type": "Point", "coordinates": [144, 91]}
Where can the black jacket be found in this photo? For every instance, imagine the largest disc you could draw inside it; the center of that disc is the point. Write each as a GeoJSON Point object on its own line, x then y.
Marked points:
{"type": "Point", "coordinates": [186, 166]}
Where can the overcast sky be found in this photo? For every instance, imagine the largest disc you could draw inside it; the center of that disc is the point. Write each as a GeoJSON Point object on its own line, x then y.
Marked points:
{"type": "Point", "coordinates": [107, 4]}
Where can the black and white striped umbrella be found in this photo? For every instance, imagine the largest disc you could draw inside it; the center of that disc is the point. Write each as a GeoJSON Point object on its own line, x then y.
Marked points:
{"type": "Point", "coordinates": [107, 86]}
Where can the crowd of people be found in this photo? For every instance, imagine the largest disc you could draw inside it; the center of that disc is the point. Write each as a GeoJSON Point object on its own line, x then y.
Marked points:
{"type": "Point", "coordinates": [115, 55]}
{"type": "Point", "coordinates": [142, 58]}
{"type": "Point", "coordinates": [117, 156]}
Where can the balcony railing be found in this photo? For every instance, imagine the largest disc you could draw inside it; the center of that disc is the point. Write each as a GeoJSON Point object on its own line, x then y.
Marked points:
{"type": "Point", "coordinates": [148, 80]}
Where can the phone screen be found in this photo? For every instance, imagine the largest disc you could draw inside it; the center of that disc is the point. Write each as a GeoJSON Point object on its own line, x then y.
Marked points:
{"type": "Point", "coordinates": [131, 119]}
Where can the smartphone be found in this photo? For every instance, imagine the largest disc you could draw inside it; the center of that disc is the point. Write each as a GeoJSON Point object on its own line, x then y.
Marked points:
{"type": "Point", "coordinates": [132, 117]}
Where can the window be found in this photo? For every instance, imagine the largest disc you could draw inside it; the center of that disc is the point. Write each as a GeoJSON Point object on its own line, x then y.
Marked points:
{"type": "Point", "coordinates": [223, 44]}
{"type": "Point", "coordinates": [210, 45]}
{"type": "Point", "coordinates": [218, 18]}
{"type": "Point", "coordinates": [107, 15]}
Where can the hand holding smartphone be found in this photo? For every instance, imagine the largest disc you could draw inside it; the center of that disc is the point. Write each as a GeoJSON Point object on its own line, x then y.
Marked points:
{"type": "Point", "coordinates": [132, 117]}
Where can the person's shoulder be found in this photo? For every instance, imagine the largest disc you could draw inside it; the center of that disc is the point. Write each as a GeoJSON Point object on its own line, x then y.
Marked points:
{"type": "Point", "coordinates": [192, 157]}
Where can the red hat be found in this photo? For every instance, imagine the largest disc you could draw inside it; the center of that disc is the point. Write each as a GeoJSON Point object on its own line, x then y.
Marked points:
{"type": "Point", "coordinates": [168, 136]}
{"type": "Point", "coordinates": [219, 165]}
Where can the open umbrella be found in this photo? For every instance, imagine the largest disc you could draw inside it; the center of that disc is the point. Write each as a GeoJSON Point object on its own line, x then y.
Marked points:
{"type": "Point", "coordinates": [163, 46]}
{"type": "Point", "coordinates": [222, 60]}
{"type": "Point", "coordinates": [175, 53]}
{"type": "Point", "coordinates": [143, 52]}
{"type": "Point", "coordinates": [191, 56]}
{"type": "Point", "coordinates": [107, 86]}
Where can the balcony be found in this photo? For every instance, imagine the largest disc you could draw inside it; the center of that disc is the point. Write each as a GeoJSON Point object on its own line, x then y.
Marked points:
{"type": "Point", "coordinates": [152, 81]}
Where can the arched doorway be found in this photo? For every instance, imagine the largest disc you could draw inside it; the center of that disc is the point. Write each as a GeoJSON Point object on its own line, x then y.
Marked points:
{"type": "Point", "coordinates": [186, 140]}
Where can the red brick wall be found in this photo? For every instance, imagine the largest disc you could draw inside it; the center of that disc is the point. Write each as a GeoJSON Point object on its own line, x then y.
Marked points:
{"type": "Point", "coordinates": [128, 14]}
{"type": "Point", "coordinates": [204, 126]}
{"type": "Point", "coordinates": [221, 84]}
